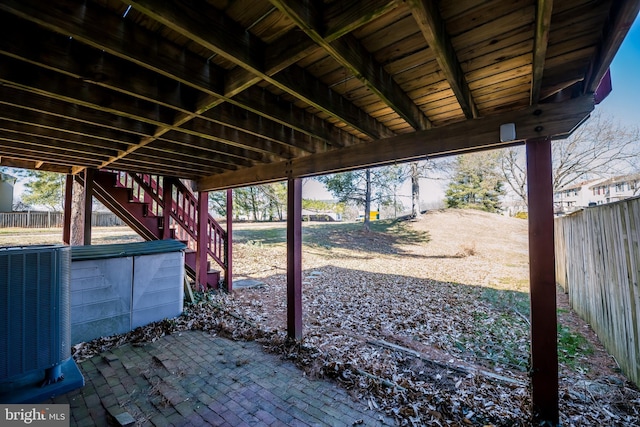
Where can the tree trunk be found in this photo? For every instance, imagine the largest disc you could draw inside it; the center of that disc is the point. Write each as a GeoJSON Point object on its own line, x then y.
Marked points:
{"type": "Point", "coordinates": [415, 191]}
{"type": "Point", "coordinates": [254, 203]}
{"type": "Point", "coordinates": [77, 215]}
{"type": "Point", "coordinates": [367, 203]}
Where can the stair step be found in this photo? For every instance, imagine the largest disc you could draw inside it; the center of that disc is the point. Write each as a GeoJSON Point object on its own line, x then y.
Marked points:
{"type": "Point", "coordinates": [213, 278]}
{"type": "Point", "coordinates": [138, 215]}
{"type": "Point", "coordinates": [190, 257]}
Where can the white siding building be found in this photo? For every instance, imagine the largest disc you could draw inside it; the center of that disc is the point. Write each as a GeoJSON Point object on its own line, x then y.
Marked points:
{"type": "Point", "coordinates": [615, 189]}
{"type": "Point", "coordinates": [574, 197]}
{"type": "Point", "coordinates": [595, 192]}
{"type": "Point", "coordinates": [6, 192]}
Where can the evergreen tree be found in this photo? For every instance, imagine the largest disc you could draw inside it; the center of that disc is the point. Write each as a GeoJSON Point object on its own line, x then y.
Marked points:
{"type": "Point", "coordinates": [218, 202]}
{"type": "Point", "coordinates": [45, 188]}
{"type": "Point", "coordinates": [476, 183]}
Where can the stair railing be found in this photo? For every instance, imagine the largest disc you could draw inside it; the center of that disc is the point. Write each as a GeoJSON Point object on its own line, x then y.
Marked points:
{"type": "Point", "coordinates": [184, 207]}
{"type": "Point", "coordinates": [149, 189]}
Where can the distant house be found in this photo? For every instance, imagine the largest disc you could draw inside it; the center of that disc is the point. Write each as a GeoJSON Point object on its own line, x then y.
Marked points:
{"type": "Point", "coordinates": [513, 207]}
{"type": "Point", "coordinates": [309, 215]}
{"type": "Point", "coordinates": [574, 197]}
{"type": "Point", "coordinates": [6, 192]}
{"type": "Point", "coordinates": [615, 189]}
{"type": "Point", "coordinates": [595, 192]}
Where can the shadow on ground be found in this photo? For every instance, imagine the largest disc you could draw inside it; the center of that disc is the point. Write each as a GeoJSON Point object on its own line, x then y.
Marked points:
{"type": "Point", "coordinates": [385, 236]}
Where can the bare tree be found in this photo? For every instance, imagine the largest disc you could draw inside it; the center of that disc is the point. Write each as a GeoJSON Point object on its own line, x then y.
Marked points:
{"type": "Point", "coordinates": [513, 169]}
{"type": "Point", "coordinates": [430, 169]}
{"type": "Point", "coordinates": [599, 148]}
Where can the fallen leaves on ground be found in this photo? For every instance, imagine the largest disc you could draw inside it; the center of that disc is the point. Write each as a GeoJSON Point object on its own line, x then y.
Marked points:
{"type": "Point", "coordinates": [423, 331]}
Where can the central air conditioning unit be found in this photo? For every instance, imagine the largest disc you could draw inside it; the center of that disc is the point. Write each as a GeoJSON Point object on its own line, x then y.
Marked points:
{"type": "Point", "coordinates": [35, 324]}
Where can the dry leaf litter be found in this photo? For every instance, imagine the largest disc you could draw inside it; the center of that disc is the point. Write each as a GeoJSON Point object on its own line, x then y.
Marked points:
{"type": "Point", "coordinates": [424, 321]}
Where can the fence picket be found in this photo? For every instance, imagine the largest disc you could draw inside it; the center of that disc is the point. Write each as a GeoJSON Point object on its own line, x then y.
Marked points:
{"type": "Point", "coordinates": [598, 263]}
{"type": "Point", "coordinates": [47, 219]}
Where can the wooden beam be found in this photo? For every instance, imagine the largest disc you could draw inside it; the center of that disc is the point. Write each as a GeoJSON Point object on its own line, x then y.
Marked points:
{"type": "Point", "coordinates": [428, 18]}
{"type": "Point", "coordinates": [350, 53]}
{"type": "Point", "coordinates": [95, 67]}
{"type": "Point", "coordinates": [87, 206]}
{"type": "Point", "coordinates": [239, 138]}
{"type": "Point", "coordinates": [299, 83]}
{"type": "Point", "coordinates": [27, 101]}
{"type": "Point", "coordinates": [338, 19]}
{"type": "Point", "coordinates": [544, 10]}
{"type": "Point", "coordinates": [255, 99]}
{"type": "Point", "coordinates": [67, 89]}
{"type": "Point", "coordinates": [202, 241]}
{"type": "Point", "coordinates": [231, 42]}
{"type": "Point", "coordinates": [11, 161]}
{"type": "Point", "coordinates": [167, 202]}
{"type": "Point", "coordinates": [75, 170]}
{"type": "Point", "coordinates": [345, 16]}
{"type": "Point", "coordinates": [40, 81]}
{"type": "Point", "coordinates": [36, 150]}
{"type": "Point", "coordinates": [556, 120]}
{"type": "Point", "coordinates": [100, 28]}
{"type": "Point", "coordinates": [202, 168]}
{"type": "Point", "coordinates": [195, 145]}
{"type": "Point", "coordinates": [544, 347]}
{"type": "Point", "coordinates": [135, 167]}
{"type": "Point", "coordinates": [68, 202]}
{"type": "Point", "coordinates": [621, 18]}
{"type": "Point", "coordinates": [294, 258]}
{"type": "Point", "coordinates": [191, 155]}
{"type": "Point", "coordinates": [71, 141]}
{"type": "Point", "coordinates": [18, 150]}
{"type": "Point", "coordinates": [241, 119]}
{"type": "Point", "coordinates": [164, 168]}
{"type": "Point", "coordinates": [228, 244]}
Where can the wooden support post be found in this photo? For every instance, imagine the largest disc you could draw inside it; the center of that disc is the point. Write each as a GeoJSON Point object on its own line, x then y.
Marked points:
{"type": "Point", "coordinates": [203, 240]}
{"type": "Point", "coordinates": [167, 202]}
{"type": "Point", "coordinates": [68, 202]}
{"type": "Point", "coordinates": [88, 205]}
{"type": "Point", "coordinates": [228, 277]}
{"type": "Point", "coordinates": [544, 347]}
{"type": "Point", "coordinates": [294, 258]}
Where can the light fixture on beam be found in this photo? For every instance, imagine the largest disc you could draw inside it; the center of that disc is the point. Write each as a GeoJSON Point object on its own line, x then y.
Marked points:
{"type": "Point", "coordinates": [507, 132]}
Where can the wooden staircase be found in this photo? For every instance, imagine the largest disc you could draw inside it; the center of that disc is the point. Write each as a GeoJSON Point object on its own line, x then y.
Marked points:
{"type": "Point", "coordinates": [158, 207]}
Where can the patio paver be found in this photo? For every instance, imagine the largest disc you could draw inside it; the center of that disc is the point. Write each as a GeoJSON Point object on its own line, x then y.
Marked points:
{"type": "Point", "coordinates": [194, 378]}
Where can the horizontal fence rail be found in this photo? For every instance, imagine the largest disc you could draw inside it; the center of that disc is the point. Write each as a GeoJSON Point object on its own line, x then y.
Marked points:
{"type": "Point", "coordinates": [37, 219]}
{"type": "Point", "coordinates": [598, 263]}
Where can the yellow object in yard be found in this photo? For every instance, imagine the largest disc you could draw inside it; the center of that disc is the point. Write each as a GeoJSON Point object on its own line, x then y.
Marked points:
{"type": "Point", "coordinates": [373, 215]}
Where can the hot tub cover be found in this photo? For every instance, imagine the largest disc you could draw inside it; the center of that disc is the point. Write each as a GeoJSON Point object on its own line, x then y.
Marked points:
{"type": "Point", "coordinates": [80, 253]}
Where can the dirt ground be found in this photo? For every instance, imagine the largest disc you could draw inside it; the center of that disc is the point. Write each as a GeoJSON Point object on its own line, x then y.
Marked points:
{"type": "Point", "coordinates": [52, 236]}
{"type": "Point", "coordinates": [427, 320]}
{"type": "Point", "coordinates": [453, 287]}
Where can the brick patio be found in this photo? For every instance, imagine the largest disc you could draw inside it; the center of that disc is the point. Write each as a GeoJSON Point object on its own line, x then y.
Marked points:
{"type": "Point", "coordinates": [194, 378]}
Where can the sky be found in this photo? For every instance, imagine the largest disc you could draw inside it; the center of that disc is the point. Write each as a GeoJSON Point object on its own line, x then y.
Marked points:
{"type": "Point", "coordinates": [623, 101]}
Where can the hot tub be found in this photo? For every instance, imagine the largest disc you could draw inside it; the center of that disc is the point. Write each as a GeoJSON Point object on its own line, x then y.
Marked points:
{"type": "Point", "coordinates": [116, 288]}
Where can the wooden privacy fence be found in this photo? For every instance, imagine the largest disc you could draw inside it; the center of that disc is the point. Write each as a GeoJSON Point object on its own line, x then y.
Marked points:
{"type": "Point", "coordinates": [598, 263]}
{"type": "Point", "coordinates": [33, 219]}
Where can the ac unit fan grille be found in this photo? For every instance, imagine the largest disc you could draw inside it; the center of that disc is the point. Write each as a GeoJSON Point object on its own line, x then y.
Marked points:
{"type": "Point", "coordinates": [35, 327]}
